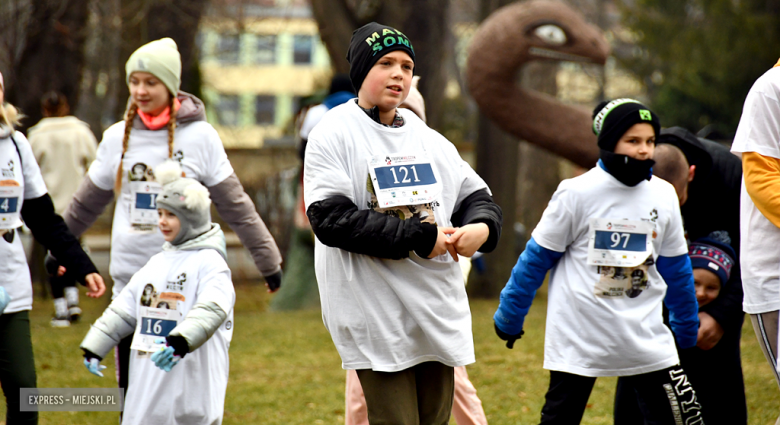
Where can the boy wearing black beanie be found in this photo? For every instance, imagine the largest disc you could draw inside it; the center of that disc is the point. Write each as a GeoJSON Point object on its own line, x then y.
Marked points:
{"type": "Point", "coordinates": [392, 205]}
{"type": "Point", "coordinates": [614, 240]}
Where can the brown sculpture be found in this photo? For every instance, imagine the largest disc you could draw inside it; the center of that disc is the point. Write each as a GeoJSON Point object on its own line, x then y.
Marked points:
{"type": "Point", "coordinates": [524, 32]}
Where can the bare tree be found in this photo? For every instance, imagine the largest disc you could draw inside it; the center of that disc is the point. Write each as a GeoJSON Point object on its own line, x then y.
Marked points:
{"type": "Point", "coordinates": [147, 20]}
{"type": "Point", "coordinates": [52, 57]}
{"type": "Point", "coordinates": [425, 22]}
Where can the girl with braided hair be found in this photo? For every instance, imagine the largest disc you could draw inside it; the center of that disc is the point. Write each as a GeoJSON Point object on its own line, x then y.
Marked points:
{"type": "Point", "coordinates": [161, 122]}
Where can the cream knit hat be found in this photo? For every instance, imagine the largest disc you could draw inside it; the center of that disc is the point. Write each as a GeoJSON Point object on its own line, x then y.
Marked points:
{"type": "Point", "coordinates": [160, 58]}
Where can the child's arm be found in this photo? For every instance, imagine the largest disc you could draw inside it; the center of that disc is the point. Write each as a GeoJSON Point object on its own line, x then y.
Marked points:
{"type": "Point", "coordinates": [115, 324]}
{"type": "Point", "coordinates": [518, 294]}
{"type": "Point", "coordinates": [215, 299]}
{"type": "Point", "coordinates": [762, 175]}
{"type": "Point", "coordinates": [337, 222]}
{"type": "Point", "coordinates": [203, 319]}
{"type": "Point", "coordinates": [680, 298]}
{"type": "Point", "coordinates": [478, 208]}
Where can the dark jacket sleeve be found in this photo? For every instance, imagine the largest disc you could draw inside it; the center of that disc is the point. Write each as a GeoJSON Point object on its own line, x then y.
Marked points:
{"type": "Point", "coordinates": [480, 208]}
{"type": "Point", "coordinates": [50, 230]}
{"type": "Point", "coordinates": [338, 223]}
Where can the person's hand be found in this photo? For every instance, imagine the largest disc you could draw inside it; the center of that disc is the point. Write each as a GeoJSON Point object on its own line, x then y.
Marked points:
{"type": "Point", "coordinates": [469, 238]}
{"type": "Point", "coordinates": [273, 282]}
{"type": "Point", "coordinates": [165, 359]}
{"type": "Point", "coordinates": [95, 285]}
{"type": "Point", "coordinates": [510, 339]}
{"type": "Point", "coordinates": [4, 299]}
{"type": "Point", "coordinates": [442, 247]}
{"type": "Point", "coordinates": [710, 332]}
{"type": "Point", "coordinates": [93, 366]}
{"type": "Point", "coordinates": [53, 266]}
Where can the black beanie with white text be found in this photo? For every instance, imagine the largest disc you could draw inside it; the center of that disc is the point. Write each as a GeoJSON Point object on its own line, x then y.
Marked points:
{"type": "Point", "coordinates": [369, 43]}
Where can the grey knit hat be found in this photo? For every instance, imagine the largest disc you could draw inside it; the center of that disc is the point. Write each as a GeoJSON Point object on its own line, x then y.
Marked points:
{"type": "Point", "coordinates": [186, 198]}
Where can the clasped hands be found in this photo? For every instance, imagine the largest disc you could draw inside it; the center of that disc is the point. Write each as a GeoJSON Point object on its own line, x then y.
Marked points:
{"type": "Point", "coordinates": [464, 240]}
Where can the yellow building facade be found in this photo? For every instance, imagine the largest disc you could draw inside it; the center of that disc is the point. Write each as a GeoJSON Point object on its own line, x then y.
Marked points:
{"type": "Point", "coordinates": [254, 70]}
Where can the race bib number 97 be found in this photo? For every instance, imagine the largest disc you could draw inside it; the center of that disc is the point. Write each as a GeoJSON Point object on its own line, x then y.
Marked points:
{"type": "Point", "coordinates": [619, 243]}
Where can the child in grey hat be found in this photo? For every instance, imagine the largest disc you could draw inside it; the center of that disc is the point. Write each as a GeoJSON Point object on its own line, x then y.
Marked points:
{"type": "Point", "coordinates": [179, 304]}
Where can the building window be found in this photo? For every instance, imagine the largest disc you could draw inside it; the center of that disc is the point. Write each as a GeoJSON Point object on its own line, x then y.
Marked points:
{"type": "Point", "coordinates": [265, 108]}
{"type": "Point", "coordinates": [228, 48]}
{"type": "Point", "coordinates": [228, 110]}
{"type": "Point", "coordinates": [302, 49]}
{"type": "Point", "coordinates": [265, 52]}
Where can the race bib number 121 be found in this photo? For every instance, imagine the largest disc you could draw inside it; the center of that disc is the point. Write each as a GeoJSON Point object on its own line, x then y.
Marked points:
{"type": "Point", "coordinates": [404, 179]}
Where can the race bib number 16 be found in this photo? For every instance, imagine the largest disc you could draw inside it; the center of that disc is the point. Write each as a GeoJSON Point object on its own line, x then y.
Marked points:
{"type": "Point", "coordinates": [619, 243]}
{"type": "Point", "coordinates": [155, 323]}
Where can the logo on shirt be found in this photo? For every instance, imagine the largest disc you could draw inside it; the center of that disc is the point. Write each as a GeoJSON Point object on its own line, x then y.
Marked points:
{"type": "Point", "coordinates": [178, 284]}
{"type": "Point", "coordinates": [654, 215]}
{"type": "Point", "coordinates": [9, 172]}
{"type": "Point", "coordinates": [178, 155]}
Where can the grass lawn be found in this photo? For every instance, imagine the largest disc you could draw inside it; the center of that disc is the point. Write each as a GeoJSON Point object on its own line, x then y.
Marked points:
{"type": "Point", "coordinates": [285, 370]}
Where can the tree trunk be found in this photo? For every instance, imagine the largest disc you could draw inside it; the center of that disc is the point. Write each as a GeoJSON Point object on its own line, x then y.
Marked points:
{"type": "Point", "coordinates": [53, 56]}
{"type": "Point", "coordinates": [538, 175]}
{"type": "Point", "coordinates": [425, 22]}
{"type": "Point", "coordinates": [497, 154]}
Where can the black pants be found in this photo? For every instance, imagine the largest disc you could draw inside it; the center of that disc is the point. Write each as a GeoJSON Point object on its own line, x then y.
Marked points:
{"type": "Point", "coordinates": [123, 361]}
{"type": "Point", "coordinates": [17, 365]}
{"type": "Point", "coordinates": [420, 395]}
{"type": "Point", "coordinates": [665, 397]}
{"type": "Point", "coordinates": [59, 283]}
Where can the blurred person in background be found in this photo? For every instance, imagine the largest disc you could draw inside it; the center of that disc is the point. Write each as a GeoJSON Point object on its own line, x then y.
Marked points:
{"type": "Point", "coordinates": [64, 146]}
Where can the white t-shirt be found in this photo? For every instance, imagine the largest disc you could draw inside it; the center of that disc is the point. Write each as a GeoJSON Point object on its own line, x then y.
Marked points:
{"type": "Point", "coordinates": [201, 154]}
{"type": "Point", "coordinates": [14, 272]}
{"type": "Point", "coordinates": [388, 315]}
{"type": "Point", "coordinates": [622, 333]}
{"type": "Point", "coordinates": [313, 117]}
{"type": "Point", "coordinates": [193, 392]}
{"type": "Point", "coordinates": [759, 131]}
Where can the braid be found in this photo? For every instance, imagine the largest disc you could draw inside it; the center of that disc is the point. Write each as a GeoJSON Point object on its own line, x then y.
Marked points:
{"type": "Point", "coordinates": [129, 116]}
{"type": "Point", "coordinates": [171, 126]}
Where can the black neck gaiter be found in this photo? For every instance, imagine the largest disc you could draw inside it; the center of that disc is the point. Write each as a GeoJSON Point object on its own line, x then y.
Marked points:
{"type": "Point", "coordinates": [627, 170]}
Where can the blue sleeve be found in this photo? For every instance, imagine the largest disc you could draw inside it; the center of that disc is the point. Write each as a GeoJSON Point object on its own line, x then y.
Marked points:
{"type": "Point", "coordinates": [518, 294]}
{"type": "Point", "coordinates": [680, 298]}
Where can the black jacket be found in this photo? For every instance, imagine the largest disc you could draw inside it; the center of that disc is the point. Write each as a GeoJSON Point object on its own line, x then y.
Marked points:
{"type": "Point", "coordinates": [713, 205]}
{"type": "Point", "coordinates": [338, 223]}
{"type": "Point", "coordinates": [50, 230]}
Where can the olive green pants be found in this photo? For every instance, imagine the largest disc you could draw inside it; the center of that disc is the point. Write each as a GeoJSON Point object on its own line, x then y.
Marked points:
{"type": "Point", "coordinates": [420, 395]}
{"type": "Point", "coordinates": [17, 366]}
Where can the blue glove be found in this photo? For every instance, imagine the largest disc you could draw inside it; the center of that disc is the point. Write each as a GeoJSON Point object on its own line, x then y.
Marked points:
{"type": "Point", "coordinates": [165, 359]}
{"type": "Point", "coordinates": [4, 299]}
{"type": "Point", "coordinates": [94, 367]}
